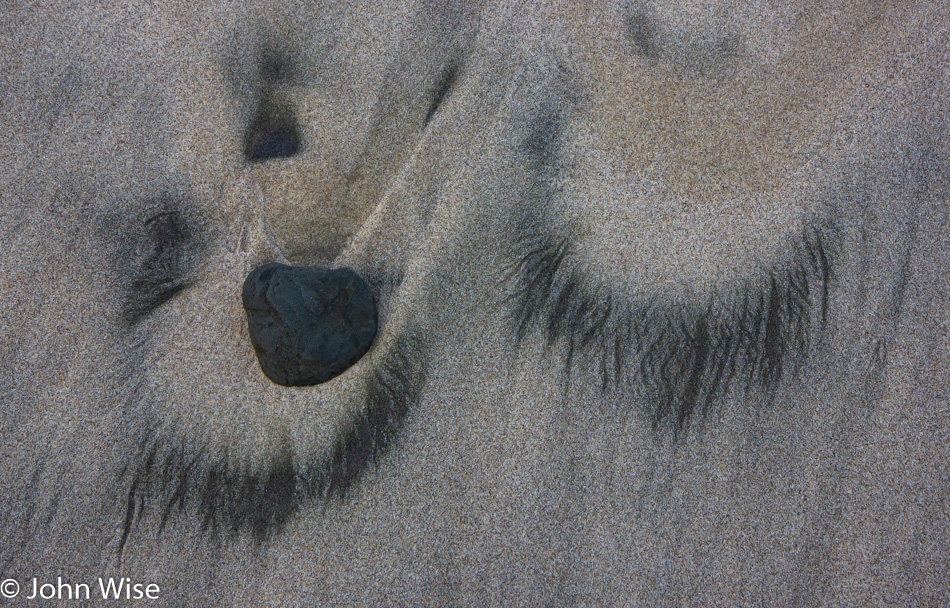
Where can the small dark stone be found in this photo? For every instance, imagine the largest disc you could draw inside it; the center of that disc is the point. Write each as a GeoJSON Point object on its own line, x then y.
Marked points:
{"type": "Point", "coordinates": [273, 133]}
{"type": "Point", "coordinates": [308, 325]}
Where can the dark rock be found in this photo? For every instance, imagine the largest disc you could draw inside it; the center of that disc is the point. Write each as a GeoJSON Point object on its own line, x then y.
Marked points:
{"type": "Point", "coordinates": [274, 133]}
{"type": "Point", "coordinates": [308, 325]}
